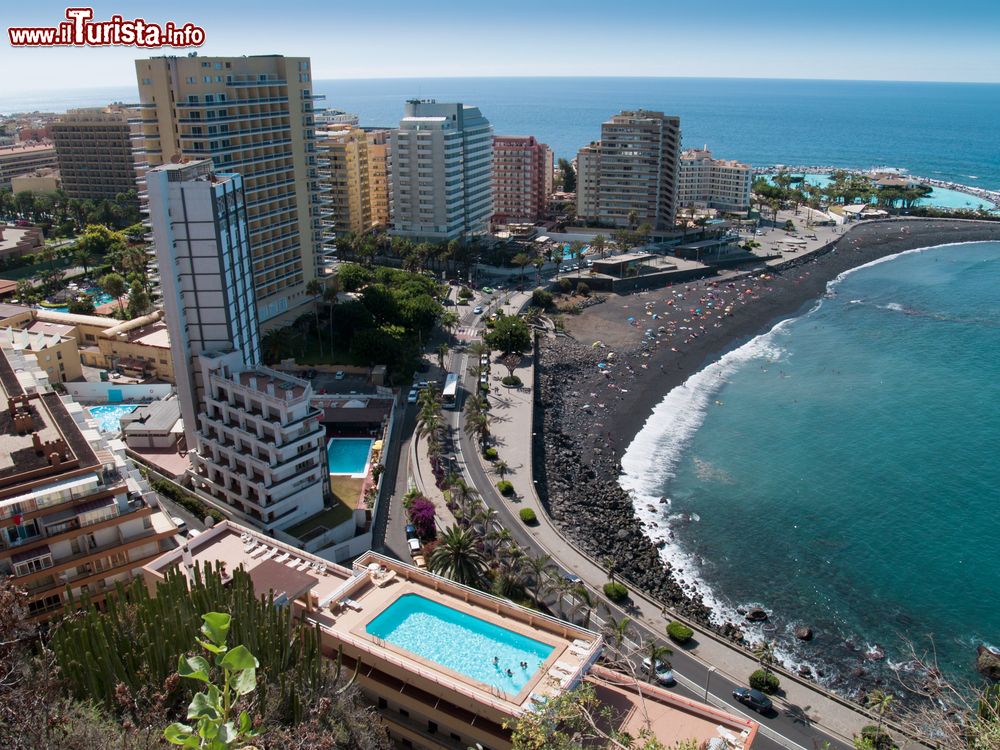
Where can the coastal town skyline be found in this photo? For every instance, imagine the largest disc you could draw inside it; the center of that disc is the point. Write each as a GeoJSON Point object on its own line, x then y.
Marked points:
{"type": "Point", "coordinates": [783, 40]}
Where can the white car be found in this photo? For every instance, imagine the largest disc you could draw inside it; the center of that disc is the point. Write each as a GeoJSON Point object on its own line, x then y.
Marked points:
{"type": "Point", "coordinates": [339, 375]}
{"type": "Point", "coordinates": [411, 397]}
{"type": "Point", "coordinates": [663, 674]}
{"type": "Point", "coordinates": [477, 310]}
{"type": "Point", "coordinates": [180, 523]}
{"type": "Point", "coordinates": [414, 545]}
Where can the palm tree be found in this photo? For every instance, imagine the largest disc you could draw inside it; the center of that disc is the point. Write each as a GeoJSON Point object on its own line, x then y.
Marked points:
{"type": "Point", "coordinates": [764, 651]}
{"type": "Point", "coordinates": [315, 290]}
{"type": "Point", "coordinates": [477, 349]}
{"type": "Point", "coordinates": [114, 284]}
{"type": "Point", "coordinates": [576, 252]}
{"type": "Point", "coordinates": [274, 344]}
{"type": "Point", "coordinates": [478, 426]}
{"type": "Point", "coordinates": [537, 566]}
{"type": "Point", "coordinates": [599, 243]}
{"type": "Point", "coordinates": [879, 701]}
{"type": "Point", "coordinates": [442, 352]}
{"type": "Point", "coordinates": [521, 260]}
{"type": "Point", "coordinates": [657, 656]}
{"type": "Point", "coordinates": [457, 557]}
{"type": "Point", "coordinates": [464, 497]}
{"type": "Point", "coordinates": [83, 257]}
{"type": "Point", "coordinates": [612, 565]}
{"type": "Point", "coordinates": [449, 321]}
{"type": "Point", "coordinates": [617, 630]}
{"type": "Point", "coordinates": [582, 601]}
{"type": "Point", "coordinates": [500, 468]}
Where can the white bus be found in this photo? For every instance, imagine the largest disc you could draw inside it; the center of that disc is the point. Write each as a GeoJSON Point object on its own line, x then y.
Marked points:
{"type": "Point", "coordinates": [449, 396]}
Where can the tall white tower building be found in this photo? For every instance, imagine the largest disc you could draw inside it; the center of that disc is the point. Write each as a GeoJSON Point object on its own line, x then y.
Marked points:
{"type": "Point", "coordinates": [442, 159]}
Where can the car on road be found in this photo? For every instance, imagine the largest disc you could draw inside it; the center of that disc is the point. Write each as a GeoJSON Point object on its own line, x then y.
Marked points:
{"type": "Point", "coordinates": [753, 699]}
{"type": "Point", "coordinates": [571, 577]}
{"type": "Point", "coordinates": [663, 674]}
{"type": "Point", "coordinates": [487, 290]}
{"type": "Point", "coordinates": [414, 545]}
{"type": "Point", "coordinates": [339, 375]}
{"type": "Point", "coordinates": [411, 531]}
{"type": "Point", "coordinates": [411, 397]}
{"type": "Point", "coordinates": [180, 523]}
{"type": "Point", "coordinates": [477, 310]}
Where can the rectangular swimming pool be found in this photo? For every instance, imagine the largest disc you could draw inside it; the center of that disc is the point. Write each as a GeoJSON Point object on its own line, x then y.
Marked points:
{"type": "Point", "coordinates": [461, 642]}
{"type": "Point", "coordinates": [108, 416]}
{"type": "Point", "coordinates": [348, 455]}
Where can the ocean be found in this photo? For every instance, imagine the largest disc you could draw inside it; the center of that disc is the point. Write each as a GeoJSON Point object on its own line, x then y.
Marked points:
{"type": "Point", "coordinates": [938, 130]}
{"type": "Point", "coordinates": [841, 470]}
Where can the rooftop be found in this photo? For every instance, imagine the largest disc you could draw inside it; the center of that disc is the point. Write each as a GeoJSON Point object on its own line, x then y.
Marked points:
{"type": "Point", "coordinates": [157, 417]}
{"type": "Point", "coordinates": [25, 148]}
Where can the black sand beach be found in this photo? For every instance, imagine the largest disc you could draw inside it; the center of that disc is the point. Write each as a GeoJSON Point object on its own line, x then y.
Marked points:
{"type": "Point", "coordinates": [586, 417]}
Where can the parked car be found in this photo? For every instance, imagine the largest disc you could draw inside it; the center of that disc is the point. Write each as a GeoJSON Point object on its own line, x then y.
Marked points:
{"type": "Point", "coordinates": [414, 545]}
{"type": "Point", "coordinates": [477, 310]}
{"type": "Point", "coordinates": [411, 531]}
{"type": "Point", "coordinates": [663, 674]}
{"type": "Point", "coordinates": [411, 397]}
{"type": "Point", "coordinates": [753, 699]}
{"type": "Point", "coordinates": [339, 375]}
{"type": "Point", "coordinates": [484, 360]}
{"type": "Point", "coordinates": [180, 523]}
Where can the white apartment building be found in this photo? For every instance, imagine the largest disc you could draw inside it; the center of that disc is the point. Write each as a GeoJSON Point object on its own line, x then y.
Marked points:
{"type": "Point", "coordinates": [203, 252]}
{"type": "Point", "coordinates": [260, 444]}
{"type": "Point", "coordinates": [722, 184]}
{"type": "Point", "coordinates": [441, 171]}
{"type": "Point", "coordinates": [587, 180]}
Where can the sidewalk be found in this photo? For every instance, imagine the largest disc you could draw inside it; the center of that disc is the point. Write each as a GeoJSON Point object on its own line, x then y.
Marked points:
{"type": "Point", "coordinates": [419, 467]}
{"type": "Point", "coordinates": [513, 432]}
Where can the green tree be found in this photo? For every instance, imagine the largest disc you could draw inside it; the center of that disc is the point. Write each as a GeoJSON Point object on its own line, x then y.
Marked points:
{"type": "Point", "coordinates": [353, 276]}
{"type": "Point", "coordinates": [600, 244]}
{"type": "Point", "coordinates": [315, 290]}
{"type": "Point", "coordinates": [221, 719]}
{"type": "Point", "coordinates": [442, 352]}
{"type": "Point", "coordinates": [138, 300]}
{"type": "Point", "coordinates": [113, 284]}
{"type": "Point", "coordinates": [510, 335]}
{"type": "Point", "coordinates": [568, 176]}
{"type": "Point", "coordinates": [764, 651]}
{"type": "Point", "coordinates": [880, 701]}
{"type": "Point", "coordinates": [457, 557]}
{"type": "Point", "coordinates": [658, 656]}
{"type": "Point", "coordinates": [618, 630]}
{"type": "Point", "coordinates": [521, 260]}
{"type": "Point", "coordinates": [25, 292]}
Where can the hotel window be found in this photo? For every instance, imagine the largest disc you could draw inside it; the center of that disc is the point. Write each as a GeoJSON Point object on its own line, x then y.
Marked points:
{"type": "Point", "coordinates": [43, 605]}
{"type": "Point", "coordinates": [147, 81]}
{"type": "Point", "coordinates": [34, 565]}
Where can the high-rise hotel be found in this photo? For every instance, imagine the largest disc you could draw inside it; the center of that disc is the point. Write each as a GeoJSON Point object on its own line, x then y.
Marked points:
{"type": "Point", "coordinates": [441, 160]}
{"type": "Point", "coordinates": [631, 173]}
{"type": "Point", "coordinates": [255, 442]}
{"type": "Point", "coordinates": [252, 116]}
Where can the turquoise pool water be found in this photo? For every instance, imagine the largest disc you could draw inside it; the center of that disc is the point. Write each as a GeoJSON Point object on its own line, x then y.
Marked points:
{"type": "Point", "coordinates": [108, 416]}
{"type": "Point", "coordinates": [348, 455]}
{"type": "Point", "coordinates": [939, 197]}
{"type": "Point", "coordinates": [99, 297]}
{"type": "Point", "coordinates": [460, 642]}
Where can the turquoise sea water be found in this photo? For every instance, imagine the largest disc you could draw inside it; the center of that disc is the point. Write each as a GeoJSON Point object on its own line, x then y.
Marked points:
{"type": "Point", "coordinates": [842, 471]}
{"type": "Point", "coordinates": [941, 130]}
{"type": "Point", "coordinates": [460, 642]}
{"type": "Point", "coordinates": [348, 455]}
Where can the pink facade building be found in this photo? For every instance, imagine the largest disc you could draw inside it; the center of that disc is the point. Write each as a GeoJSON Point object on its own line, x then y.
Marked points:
{"type": "Point", "coordinates": [522, 179]}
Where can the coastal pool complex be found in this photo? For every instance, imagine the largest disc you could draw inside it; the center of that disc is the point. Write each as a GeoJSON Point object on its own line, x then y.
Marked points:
{"type": "Point", "coordinates": [349, 456]}
{"type": "Point", "coordinates": [939, 197]}
{"type": "Point", "coordinates": [461, 642]}
{"type": "Point", "coordinates": [109, 416]}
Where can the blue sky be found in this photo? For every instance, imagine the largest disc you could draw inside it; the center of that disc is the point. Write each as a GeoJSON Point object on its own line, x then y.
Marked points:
{"type": "Point", "coordinates": [920, 40]}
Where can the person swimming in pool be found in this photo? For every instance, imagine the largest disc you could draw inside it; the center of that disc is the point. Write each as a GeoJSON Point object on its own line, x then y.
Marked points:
{"type": "Point", "coordinates": [496, 661]}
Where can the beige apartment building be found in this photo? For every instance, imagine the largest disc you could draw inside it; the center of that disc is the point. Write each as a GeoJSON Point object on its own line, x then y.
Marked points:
{"type": "Point", "coordinates": [477, 663]}
{"type": "Point", "coordinates": [252, 116]}
{"type": "Point", "coordinates": [522, 179]}
{"type": "Point", "coordinates": [25, 158]}
{"type": "Point", "coordinates": [357, 176]}
{"type": "Point", "coordinates": [75, 516]}
{"type": "Point", "coordinates": [705, 182]}
{"type": "Point", "coordinates": [53, 347]}
{"type": "Point", "coordinates": [94, 149]}
{"type": "Point", "coordinates": [631, 171]}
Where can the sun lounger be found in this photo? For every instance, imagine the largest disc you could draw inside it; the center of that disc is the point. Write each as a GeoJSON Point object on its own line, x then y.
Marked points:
{"type": "Point", "coordinates": [351, 604]}
{"type": "Point", "coordinates": [269, 555]}
{"type": "Point", "coordinates": [383, 578]}
{"type": "Point", "coordinates": [259, 550]}
{"type": "Point", "coordinates": [283, 557]}
{"type": "Point", "coordinates": [563, 667]}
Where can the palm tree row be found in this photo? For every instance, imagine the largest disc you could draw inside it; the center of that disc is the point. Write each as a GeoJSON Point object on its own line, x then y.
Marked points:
{"type": "Point", "coordinates": [412, 256]}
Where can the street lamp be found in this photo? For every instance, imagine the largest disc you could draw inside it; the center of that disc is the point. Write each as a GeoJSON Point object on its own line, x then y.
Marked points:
{"type": "Point", "coordinates": [708, 679]}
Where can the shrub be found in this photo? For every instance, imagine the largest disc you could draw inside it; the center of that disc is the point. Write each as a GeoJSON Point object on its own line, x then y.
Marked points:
{"type": "Point", "coordinates": [582, 289]}
{"type": "Point", "coordinates": [880, 740]}
{"type": "Point", "coordinates": [765, 682]}
{"type": "Point", "coordinates": [186, 500]}
{"type": "Point", "coordinates": [465, 292]}
{"type": "Point", "coordinates": [615, 591]}
{"type": "Point", "coordinates": [491, 454]}
{"type": "Point", "coordinates": [541, 298]}
{"type": "Point", "coordinates": [528, 516]}
{"type": "Point", "coordinates": [484, 387]}
{"type": "Point", "coordinates": [422, 517]}
{"type": "Point", "coordinates": [505, 487]}
{"type": "Point", "coordinates": [679, 632]}
{"type": "Point", "coordinates": [790, 226]}
{"type": "Point", "coordinates": [512, 380]}
{"type": "Point", "coordinates": [565, 286]}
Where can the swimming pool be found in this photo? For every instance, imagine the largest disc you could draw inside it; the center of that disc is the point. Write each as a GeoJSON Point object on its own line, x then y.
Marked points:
{"type": "Point", "coordinates": [108, 416]}
{"type": "Point", "coordinates": [348, 455]}
{"type": "Point", "coordinates": [99, 297]}
{"type": "Point", "coordinates": [465, 644]}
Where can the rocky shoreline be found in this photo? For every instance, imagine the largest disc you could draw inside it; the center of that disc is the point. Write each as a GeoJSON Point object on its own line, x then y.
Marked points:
{"type": "Point", "coordinates": [582, 428]}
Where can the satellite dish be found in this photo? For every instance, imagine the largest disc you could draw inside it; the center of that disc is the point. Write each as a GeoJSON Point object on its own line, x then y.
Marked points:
{"type": "Point", "coordinates": [175, 159]}
{"type": "Point", "coordinates": [209, 522]}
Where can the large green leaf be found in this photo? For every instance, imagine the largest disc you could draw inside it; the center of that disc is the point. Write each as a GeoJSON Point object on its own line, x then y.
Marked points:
{"type": "Point", "coordinates": [246, 681]}
{"type": "Point", "coordinates": [212, 647]}
{"type": "Point", "coordinates": [216, 627]}
{"type": "Point", "coordinates": [240, 658]}
{"type": "Point", "coordinates": [206, 705]}
{"type": "Point", "coordinates": [193, 667]}
{"type": "Point", "coordinates": [179, 734]}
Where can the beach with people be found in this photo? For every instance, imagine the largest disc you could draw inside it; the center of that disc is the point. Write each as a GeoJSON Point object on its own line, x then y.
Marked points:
{"type": "Point", "coordinates": [598, 385]}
